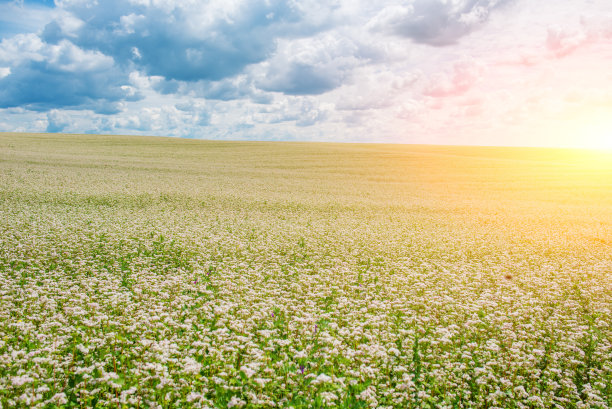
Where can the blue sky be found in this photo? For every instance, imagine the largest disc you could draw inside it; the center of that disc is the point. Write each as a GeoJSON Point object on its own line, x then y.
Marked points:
{"type": "Point", "coordinates": [488, 72]}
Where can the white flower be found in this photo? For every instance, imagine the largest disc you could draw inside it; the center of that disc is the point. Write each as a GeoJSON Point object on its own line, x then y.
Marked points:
{"type": "Point", "coordinates": [192, 396]}
{"type": "Point", "coordinates": [368, 394]}
{"type": "Point", "coordinates": [492, 345]}
{"type": "Point", "coordinates": [247, 371]}
{"type": "Point", "coordinates": [329, 396]}
{"type": "Point", "coordinates": [59, 398]}
{"type": "Point", "coordinates": [18, 381]}
{"type": "Point", "coordinates": [322, 378]}
{"type": "Point", "coordinates": [192, 366]}
{"type": "Point", "coordinates": [235, 402]}
{"type": "Point", "coordinates": [261, 381]}
{"type": "Point", "coordinates": [83, 349]}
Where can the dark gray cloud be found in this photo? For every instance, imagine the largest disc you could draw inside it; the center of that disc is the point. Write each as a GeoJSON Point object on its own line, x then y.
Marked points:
{"type": "Point", "coordinates": [250, 51]}
{"type": "Point", "coordinates": [36, 88]}
{"type": "Point", "coordinates": [185, 41]}
{"type": "Point", "coordinates": [434, 22]}
{"type": "Point", "coordinates": [302, 79]}
{"type": "Point", "coordinates": [312, 66]}
{"type": "Point", "coordinates": [186, 47]}
{"type": "Point", "coordinates": [164, 86]}
{"type": "Point", "coordinates": [44, 77]}
{"type": "Point", "coordinates": [225, 90]}
{"type": "Point", "coordinates": [229, 89]}
{"type": "Point", "coordinates": [83, 56]}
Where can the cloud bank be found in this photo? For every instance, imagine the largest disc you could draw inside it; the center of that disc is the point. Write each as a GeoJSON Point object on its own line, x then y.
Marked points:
{"type": "Point", "coordinates": [403, 71]}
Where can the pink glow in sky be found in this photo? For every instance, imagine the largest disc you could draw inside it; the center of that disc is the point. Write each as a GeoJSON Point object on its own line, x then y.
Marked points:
{"type": "Point", "coordinates": [484, 72]}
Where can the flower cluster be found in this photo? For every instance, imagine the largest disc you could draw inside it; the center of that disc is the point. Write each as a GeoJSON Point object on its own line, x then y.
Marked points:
{"type": "Point", "coordinates": [211, 275]}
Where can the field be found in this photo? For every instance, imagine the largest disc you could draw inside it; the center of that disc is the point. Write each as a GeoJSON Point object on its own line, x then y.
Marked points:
{"type": "Point", "coordinates": [142, 272]}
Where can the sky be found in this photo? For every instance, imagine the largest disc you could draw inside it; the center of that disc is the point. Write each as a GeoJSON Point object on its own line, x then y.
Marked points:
{"type": "Point", "coordinates": [455, 72]}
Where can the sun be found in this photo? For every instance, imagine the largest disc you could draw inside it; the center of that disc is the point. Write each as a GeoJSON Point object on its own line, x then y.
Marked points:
{"type": "Point", "coordinates": [590, 130]}
{"type": "Point", "coordinates": [598, 136]}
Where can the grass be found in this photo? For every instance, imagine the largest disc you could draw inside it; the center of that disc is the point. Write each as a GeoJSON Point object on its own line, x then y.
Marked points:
{"type": "Point", "coordinates": [157, 272]}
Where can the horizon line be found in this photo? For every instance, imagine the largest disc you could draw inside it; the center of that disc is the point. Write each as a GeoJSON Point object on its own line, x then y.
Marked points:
{"type": "Point", "coordinates": [433, 144]}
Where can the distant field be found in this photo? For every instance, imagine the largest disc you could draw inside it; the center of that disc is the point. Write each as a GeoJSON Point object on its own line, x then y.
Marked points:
{"type": "Point", "coordinates": [155, 272]}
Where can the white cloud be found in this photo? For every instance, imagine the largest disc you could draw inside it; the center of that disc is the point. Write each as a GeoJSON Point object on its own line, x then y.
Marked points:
{"type": "Point", "coordinates": [21, 47]}
{"type": "Point", "coordinates": [15, 18]}
{"type": "Point", "coordinates": [46, 76]}
{"type": "Point", "coordinates": [408, 71]}
{"type": "Point", "coordinates": [309, 66]}
{"type": "Point", "coordinates": [562, 42]}
{"type": "Point", "coordinates": [57, 121]}
{"type": "Point", "coordinates": [68, 57]}
{"type": "Point", "coordinates": [434, 22]}
{"type": "Point", "coordinates": [463, 76]}
{"type": "Point", "coordinates": [302, 111]}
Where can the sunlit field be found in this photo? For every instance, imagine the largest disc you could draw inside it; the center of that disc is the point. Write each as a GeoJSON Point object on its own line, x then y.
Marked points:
{"type": "Point", "coordinates": [145, 272]}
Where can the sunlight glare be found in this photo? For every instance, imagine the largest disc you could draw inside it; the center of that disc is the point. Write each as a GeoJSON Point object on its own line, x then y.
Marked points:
{"type": "Point", "coordinates": [595, 131]}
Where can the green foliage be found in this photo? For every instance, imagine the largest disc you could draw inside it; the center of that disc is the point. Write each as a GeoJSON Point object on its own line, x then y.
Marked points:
{"type": "Point", "coordinates": [139, 272]}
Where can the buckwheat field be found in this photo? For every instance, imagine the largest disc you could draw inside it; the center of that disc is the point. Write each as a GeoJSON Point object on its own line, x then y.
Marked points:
{"type": "Point", "coordinates": [144, 272]}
